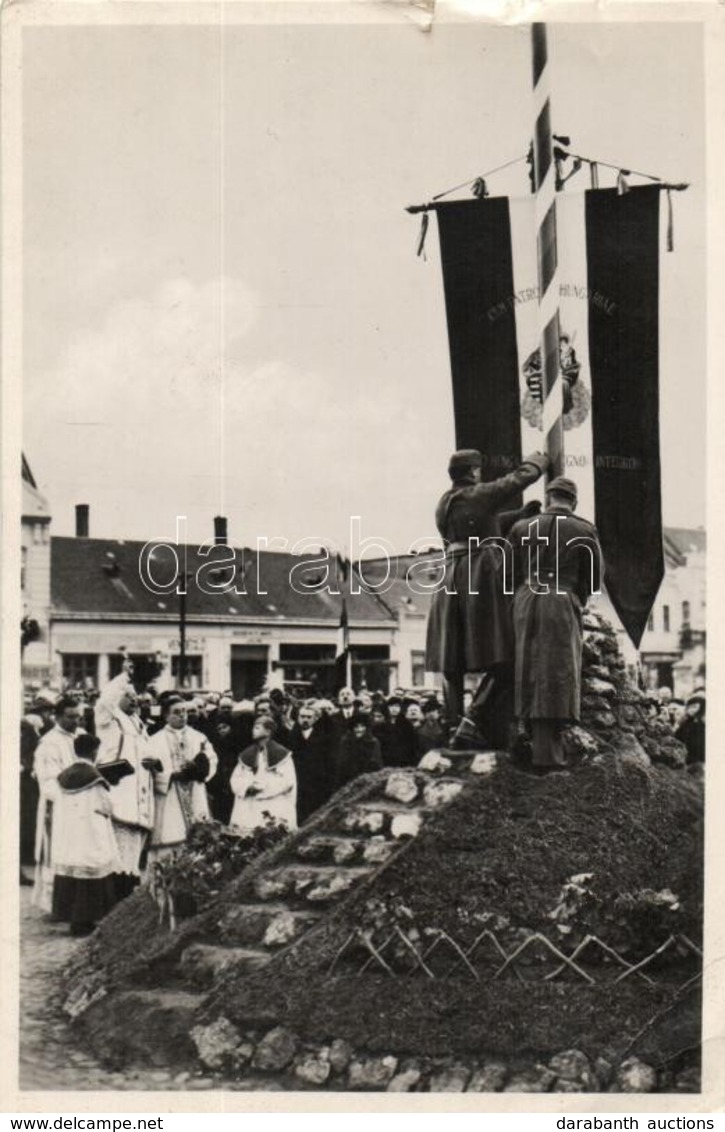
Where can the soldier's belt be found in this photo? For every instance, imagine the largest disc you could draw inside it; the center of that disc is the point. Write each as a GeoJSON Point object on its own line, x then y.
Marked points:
{"type": "Point", "coordinates": [456, 549]}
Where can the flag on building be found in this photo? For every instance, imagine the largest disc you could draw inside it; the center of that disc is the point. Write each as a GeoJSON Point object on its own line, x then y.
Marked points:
{"type": "Point", "coordinates": [342, 652]}
{"type": "Point", "coordinates": [608, 248]}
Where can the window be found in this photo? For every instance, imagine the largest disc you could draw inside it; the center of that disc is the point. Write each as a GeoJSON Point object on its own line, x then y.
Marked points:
{"type": "Point", "coordinates": [651, 623]}
{"type": "Point", "coordinates": [685, 613]}
{"type": "Point", "coordinates": [371, 666]}
{"type": "Point", "coordinates": [666, 618]}
{"type": "Point", "coordinates": [306, 655]}
{"type": "Point", "coordinates": [417, 668]}
{"type": "Point", "coordinates": [80, 670]}
{"type": "Point", "coordinates": [192, 671]}
{"type": "Point", "coordinates": [312, 669]}
{"type": "Point", "coordinates": [147, 667]}
{"type": "Point", "coordinates": [23, 567]}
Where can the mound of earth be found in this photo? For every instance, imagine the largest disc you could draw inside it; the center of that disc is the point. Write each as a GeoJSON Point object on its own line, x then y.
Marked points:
{"type": "Point", "coordinates": [612, 848]}
{"type": "Point", "coordinates": [329, 934]}
{"type": "Point", "coordinates": [500, 856]}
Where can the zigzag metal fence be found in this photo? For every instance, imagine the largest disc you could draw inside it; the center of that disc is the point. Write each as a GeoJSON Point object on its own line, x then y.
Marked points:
{"type": "Point", "coordinates": [436, 954]}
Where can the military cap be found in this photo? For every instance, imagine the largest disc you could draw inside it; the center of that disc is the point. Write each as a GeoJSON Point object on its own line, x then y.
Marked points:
{"type": "Point", "coordinates": [563, 486]}
{"type": "Point", "coordinates": [465, 458]}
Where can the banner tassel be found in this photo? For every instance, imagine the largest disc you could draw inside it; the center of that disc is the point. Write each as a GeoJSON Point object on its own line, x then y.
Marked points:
{"type": "Point", "coordinates": [670, 223]}
{"type": "Point", "coordinates": [622, 184]}
{"type": "Point", "coordinates": [423, 234]}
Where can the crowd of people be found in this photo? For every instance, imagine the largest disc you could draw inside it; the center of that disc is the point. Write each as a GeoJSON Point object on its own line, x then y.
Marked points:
{"type": "Point", "coordinates": [112, 782]}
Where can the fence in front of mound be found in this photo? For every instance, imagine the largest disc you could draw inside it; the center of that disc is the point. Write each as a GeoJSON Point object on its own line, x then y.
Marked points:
{"type": "Point", "coordinates": [437, 954]}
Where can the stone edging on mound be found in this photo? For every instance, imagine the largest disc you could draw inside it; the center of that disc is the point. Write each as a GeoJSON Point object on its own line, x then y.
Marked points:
{"type": "Point", "coordinates": [336, 1066]}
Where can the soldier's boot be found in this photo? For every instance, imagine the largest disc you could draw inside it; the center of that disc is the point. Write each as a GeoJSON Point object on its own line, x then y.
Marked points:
{"type": "Point", "coordinates": [468, 734]}
{"type": "Point", "coordinates": [467, 737]}
{"type": "Point", "coordinates": [453, 684]}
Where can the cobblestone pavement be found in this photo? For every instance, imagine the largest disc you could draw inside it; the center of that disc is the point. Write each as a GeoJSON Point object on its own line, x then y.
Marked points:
{"type": "Point", "coordinates": [50, 1055]}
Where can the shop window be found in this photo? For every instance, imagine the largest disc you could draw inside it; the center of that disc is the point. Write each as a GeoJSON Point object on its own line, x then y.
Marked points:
{"type": "Point", "coordinates": [80, 670]}
{"type": "Point", "coordinates": [309, 669]}
{"type": "Point", "coordinates": [192, 672]}
{"type": "Point", "coordinates": [417, 668]}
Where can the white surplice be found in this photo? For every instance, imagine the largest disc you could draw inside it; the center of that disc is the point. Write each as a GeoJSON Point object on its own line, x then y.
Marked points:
{"type": "Point", "coordinates": [124, 736]}
{"type": "Point", "coordinates": [178, 804]}
{"type": "Point", "coordinates": [277, 791]}
{"type": "Point", "coordinates": [53, 754]}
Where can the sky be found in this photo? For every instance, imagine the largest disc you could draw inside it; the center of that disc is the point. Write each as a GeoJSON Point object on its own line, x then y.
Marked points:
{"type": "Point", "coordinates": [223, 310]}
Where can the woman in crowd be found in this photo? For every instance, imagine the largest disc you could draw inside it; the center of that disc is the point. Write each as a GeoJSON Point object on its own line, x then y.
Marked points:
{"type": "Point", "coordinates": [358, 752]}
{"type": "Point", "coordinates": [691, 731]}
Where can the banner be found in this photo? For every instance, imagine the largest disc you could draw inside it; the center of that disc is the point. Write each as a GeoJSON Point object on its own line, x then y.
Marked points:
{"type": "Point", "coordinates": [623, 265]}
{"type": "Point", "coordinates": [608, 252]}
{"type": "Point", "coordinates": [475, 239]}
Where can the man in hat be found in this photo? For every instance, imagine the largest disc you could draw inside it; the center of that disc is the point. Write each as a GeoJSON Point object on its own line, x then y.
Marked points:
{"type": "Point", "coordinates": [558, 565]}
{"type": "Point", "coordinates": [469, 628]}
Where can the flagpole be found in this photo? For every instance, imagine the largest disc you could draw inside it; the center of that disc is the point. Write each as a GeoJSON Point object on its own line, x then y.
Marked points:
{"type": "Point", "coordinates": [545, 189]}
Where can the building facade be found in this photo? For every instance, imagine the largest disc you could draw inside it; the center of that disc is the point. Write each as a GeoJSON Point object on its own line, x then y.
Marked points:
{"type": "Point", "coordinates": [35, 581]}
{"type": "Point", "coordinates": [251, 619]}
{"type": "Point", "coordinates": [244, 625]}
{"type": "Point", "coordinates": [673, 646]}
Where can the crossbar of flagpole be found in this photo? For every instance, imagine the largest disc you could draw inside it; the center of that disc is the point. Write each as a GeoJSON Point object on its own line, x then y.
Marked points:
{"type": "Point", "coordinates": [544, 168]}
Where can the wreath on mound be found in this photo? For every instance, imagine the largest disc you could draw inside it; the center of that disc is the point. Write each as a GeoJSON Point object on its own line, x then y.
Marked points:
{"type": "Point", "coordinates": [187, 881]}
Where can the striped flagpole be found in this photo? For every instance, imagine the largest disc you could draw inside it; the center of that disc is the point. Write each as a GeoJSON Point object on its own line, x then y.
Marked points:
{"type": "Point", "coordinates": [545, 189]}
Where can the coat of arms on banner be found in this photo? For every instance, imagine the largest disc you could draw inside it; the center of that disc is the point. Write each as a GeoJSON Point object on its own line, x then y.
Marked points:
{"type": "Point", "coordinates": [577, 398]}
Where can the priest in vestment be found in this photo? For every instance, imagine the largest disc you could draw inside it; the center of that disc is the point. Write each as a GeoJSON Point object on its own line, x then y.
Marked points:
{"type": "Point", "coordinates": [182, 761]}
{"type": "Point", "coordinates": [264, 782]}
{"type": "Point", "coordinates": [123, 736]}
{"type": "Point", "coordinates": [53, 754]}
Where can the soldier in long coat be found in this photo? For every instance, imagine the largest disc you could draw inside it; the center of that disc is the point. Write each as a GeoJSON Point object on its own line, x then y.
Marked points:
{"type": "Point", "coordinates": [469, 628]}
{"type": "Point", "coordinates": [558, 565]}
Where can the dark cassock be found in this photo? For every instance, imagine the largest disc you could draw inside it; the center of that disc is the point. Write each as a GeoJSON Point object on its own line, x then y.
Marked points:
{"type": "Point", "coordinates": [311, 754]}
{"type": "Point", "coordinates": [558, 565]}
{"type": "Point", "coordinates": [469, 627]}
{"type": "Point", "coordinates": [30, 727]}
{"type": "Point", "coordinates": [228, 747]}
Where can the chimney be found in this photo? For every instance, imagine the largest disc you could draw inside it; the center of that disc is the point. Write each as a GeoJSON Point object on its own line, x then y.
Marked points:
{"type": "Point", "coordinates": [82, 520]}
{"type": "Point", "coordinates": [220, 530]}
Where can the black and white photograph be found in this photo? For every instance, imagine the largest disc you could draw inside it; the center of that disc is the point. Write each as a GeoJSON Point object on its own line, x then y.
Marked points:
{"type": "Point", "coordinates": [355, 457]}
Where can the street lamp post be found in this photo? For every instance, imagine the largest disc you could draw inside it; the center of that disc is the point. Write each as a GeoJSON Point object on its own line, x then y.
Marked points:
{"type": "Point", "coordinates": [181, 677]}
